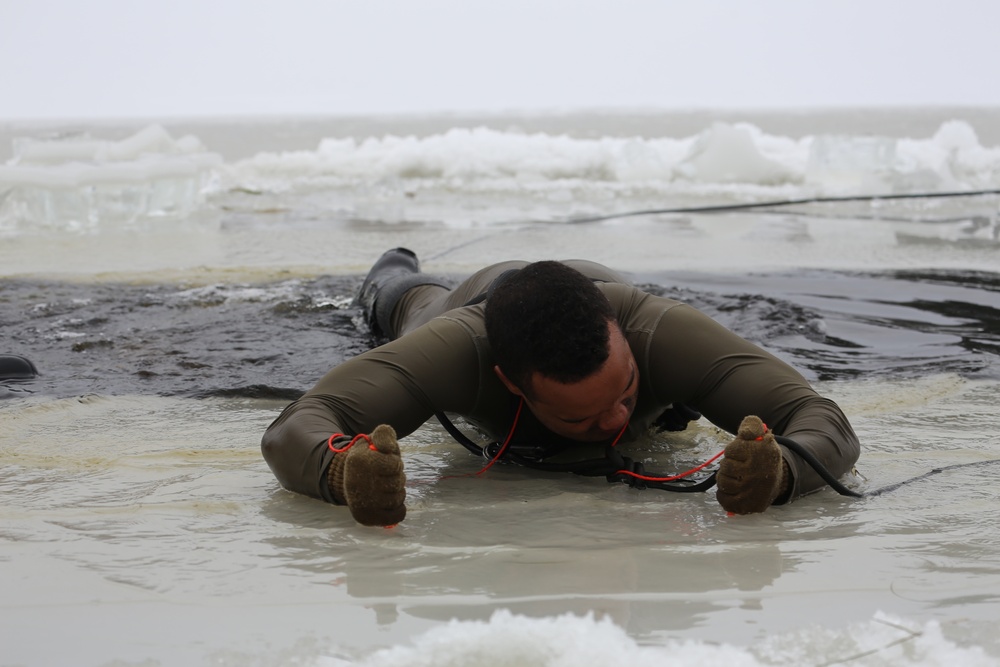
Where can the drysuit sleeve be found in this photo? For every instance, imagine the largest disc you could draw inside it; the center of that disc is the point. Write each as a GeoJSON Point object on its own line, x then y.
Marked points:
{"type": "Point", "coordinates": [402, 383]}
{"type": "Point", "coordinates": [697, 361]}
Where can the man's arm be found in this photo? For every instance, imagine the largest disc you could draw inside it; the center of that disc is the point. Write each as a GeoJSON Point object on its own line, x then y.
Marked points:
{"type": "Point", "coordinates": [401, 384]}
{"type": "Point", "coordinates": [699, 362]}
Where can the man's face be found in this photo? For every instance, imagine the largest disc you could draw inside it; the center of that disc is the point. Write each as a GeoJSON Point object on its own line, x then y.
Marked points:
{"type": "Point", "coordinates": [597, 407]}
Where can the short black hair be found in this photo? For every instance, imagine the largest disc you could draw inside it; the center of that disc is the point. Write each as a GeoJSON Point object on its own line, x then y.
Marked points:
{"type": "Point", "coordinates": [551, 319]}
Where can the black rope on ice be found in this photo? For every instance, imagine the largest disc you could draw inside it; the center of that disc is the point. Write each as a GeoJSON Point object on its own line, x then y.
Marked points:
{"type": "Point", "coordinates": [828, 477]}
{"type": "Point", "coordinates": [723, 208]}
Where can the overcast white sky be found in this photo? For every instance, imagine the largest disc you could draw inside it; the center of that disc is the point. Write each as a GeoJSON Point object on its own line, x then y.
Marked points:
{"type": "Point", "coordinates": [152, 58]}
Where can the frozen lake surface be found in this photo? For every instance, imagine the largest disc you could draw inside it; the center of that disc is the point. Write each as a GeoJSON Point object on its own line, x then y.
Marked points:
{"type": "Point", "coordinates": [176, 286]}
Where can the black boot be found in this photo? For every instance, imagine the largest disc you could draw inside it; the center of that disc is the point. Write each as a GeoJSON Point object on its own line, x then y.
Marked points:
{"type": "Point", "coordinates": [393, 267]}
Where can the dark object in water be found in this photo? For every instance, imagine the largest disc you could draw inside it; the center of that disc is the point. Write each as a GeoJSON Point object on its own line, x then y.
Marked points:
{"type": "Point", "coordinates": [15, 367]}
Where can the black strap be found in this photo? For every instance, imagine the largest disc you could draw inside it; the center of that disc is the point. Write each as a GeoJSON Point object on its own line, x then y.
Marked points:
{"type": "Point", "coordinates": [614, 466]}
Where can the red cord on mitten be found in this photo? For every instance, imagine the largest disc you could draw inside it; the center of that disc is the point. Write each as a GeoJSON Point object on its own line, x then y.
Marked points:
{"type": "Point", "coordinates": [753, 473]}
{"type": "Point", "coordinates": [369, 479]}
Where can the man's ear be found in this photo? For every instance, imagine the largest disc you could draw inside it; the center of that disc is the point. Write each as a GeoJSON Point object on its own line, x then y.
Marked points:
{"type": "Point", "coordinates": [511, 387]}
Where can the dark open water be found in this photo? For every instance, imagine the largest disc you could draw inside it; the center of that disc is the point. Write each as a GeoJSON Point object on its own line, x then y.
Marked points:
{"type": "Point", "coordinates": [273, 340]}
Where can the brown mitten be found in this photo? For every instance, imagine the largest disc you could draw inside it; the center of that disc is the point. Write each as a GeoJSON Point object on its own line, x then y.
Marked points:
{"type": "Point", "coordinates": [752, 473]}
{"type": "Point", "coordinates": [369, 479]}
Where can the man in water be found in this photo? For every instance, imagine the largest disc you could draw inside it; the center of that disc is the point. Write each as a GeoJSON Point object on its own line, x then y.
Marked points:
{"type": "Point", "coordinates": [549, 354]}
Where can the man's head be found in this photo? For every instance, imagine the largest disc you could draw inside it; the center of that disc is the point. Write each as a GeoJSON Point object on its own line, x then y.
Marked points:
{"type": "Point", "coordinates": [557, 344]}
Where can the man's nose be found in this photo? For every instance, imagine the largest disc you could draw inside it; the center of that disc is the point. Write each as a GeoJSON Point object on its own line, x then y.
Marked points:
{"type": "Point", "coordinates": [614, 418]}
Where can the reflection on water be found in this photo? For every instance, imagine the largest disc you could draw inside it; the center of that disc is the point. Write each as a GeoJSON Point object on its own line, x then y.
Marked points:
{"type": "Point", "coordinates": [169, 499]}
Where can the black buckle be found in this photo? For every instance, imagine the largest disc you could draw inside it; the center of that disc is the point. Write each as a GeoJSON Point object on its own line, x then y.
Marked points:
{"type": "Point", "coordinates": [491, 450]}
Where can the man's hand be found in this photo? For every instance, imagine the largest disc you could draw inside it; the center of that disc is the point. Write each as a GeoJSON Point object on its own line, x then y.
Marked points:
{"type": "Point", "coordinates": [753, 472]}
{"type": "Point", "coordinates": [369, 479]}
